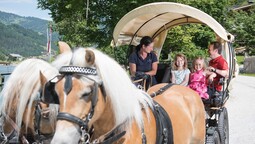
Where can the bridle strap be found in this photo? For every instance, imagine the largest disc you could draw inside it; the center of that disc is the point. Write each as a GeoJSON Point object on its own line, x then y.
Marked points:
{"type": "Point", "coordinates": [77, 120]}
{"type": "Point", "coordinates": [68, 71]}
{"type": "Point", "coordinates": [70, 118]}
{"type": "Point", "coordinates": [78, 70]}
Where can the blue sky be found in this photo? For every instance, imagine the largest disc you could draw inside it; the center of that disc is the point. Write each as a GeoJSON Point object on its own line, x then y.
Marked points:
{"type": "Point", "coordinates": [24, 8]}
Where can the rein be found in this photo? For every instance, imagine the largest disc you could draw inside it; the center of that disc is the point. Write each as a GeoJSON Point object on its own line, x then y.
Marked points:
{"type": "Point", "coordinates": [16, 128]}
{"type": "Point", "coordinates": [37, 119]}
{"type": "Point", "coordinates": [111, 136]}
{"type": "Point", "coordinates": [5, 138]}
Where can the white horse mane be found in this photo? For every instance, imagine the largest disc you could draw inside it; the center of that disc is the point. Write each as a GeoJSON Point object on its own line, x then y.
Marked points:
{"type": "Point", "coordinates": [62, 60]}
{"type": "Point", "coordinates": [23, 85]}
{"type": "Point", "coordinates": [127, 100]}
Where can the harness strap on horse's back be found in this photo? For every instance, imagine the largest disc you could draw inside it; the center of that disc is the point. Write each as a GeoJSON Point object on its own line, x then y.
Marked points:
{"type": "Point", "coordinates": [161, 90]}
{"type": "Point", "coordinates": [163, 122]}
{"type": "Point", "coordinates": [163, 125]}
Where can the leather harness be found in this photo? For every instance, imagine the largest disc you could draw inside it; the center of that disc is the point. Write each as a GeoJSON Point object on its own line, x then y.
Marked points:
{"type": "Point", "coordinates": [163, 125]}
{"type": "Point", "coordinates": [163, 122]}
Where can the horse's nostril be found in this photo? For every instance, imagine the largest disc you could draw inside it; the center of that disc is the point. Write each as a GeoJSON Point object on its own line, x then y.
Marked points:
{"type": "Point", "coordinates": [45, 114]}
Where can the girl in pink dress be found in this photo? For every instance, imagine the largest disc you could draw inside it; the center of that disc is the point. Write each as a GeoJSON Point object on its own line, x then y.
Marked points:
{"type": "Point", "coordinates": [197, 80]}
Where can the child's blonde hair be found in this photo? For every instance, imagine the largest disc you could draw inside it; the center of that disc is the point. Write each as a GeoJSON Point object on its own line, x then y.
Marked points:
{"type": "Point", "coordinates": [194, 61]}
{"type": "Point", "coordinates": [185, 66]}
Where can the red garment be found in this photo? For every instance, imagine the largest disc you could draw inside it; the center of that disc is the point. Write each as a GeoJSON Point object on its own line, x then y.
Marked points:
{"type": "Point", "coordinates": [197, 82]}
{"type": "Point", "coordinates": [221, 64]}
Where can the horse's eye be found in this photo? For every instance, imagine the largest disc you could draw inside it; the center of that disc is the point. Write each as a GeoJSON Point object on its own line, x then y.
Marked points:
{"type": "Point", "coordinates": [86, 94]}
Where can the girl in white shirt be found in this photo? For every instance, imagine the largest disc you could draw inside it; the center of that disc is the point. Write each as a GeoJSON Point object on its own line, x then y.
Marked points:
{"type": "Point", "coordinates": [180, 71]}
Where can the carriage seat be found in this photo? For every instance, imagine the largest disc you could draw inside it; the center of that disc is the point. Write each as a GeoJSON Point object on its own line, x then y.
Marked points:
{"type": "Point", "coordinates": [167, 75]}
{"type": "Point", "coordinates": [163, 73]}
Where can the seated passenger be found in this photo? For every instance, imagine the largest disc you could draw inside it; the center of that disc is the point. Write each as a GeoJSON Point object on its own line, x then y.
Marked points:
{"type": "Point", "coordinates": [218, 66]}
{"type": "Point", "coordinates": [143, 62]}
{"type": "Point", "coordinates": [197, 80]}
{"type": "Point", "coordinates": [180, 72]}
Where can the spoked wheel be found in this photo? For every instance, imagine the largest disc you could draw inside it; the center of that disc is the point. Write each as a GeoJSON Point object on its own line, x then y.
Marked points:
{"type": "Point", "coordinates": [213, 139]}
{"type": "Point", "coordinates": [223, 126]}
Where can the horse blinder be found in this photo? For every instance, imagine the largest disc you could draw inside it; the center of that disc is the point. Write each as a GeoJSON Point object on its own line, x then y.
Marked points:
{"type": "Point", "coordinates": [49, 94]}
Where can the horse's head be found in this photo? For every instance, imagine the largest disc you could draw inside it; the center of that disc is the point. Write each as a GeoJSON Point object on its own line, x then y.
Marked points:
{"type": "Point", "coordinates": [78, 90]}
{"type": "Point", "coordinates": [93, 90]}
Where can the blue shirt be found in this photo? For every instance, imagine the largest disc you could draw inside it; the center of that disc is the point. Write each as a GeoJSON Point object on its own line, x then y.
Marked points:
{"type": "Point", "coordinates": [143, 65]}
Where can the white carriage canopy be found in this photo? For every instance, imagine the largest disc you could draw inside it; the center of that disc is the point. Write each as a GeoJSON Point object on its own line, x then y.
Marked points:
{"type": "Point", "coordinates": [155, 19]}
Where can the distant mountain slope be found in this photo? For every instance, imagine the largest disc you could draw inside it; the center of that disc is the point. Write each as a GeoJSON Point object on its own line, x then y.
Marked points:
{"type": "Point", "coordinates": [23, 35]}
{"type": "Point", "coordinates": [16, 39]}
{"type": "Point", "coordinates": [35, 24]}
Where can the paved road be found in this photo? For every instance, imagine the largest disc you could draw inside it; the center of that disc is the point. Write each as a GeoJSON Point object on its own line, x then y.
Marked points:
{"type": "Point", "coordinates": [241, 111]}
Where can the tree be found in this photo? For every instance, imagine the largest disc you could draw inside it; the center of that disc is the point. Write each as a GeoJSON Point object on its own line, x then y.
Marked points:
{"type": "Point", "coordinates": [241, 24]}
{"type": "Point", "coordinates": [191, 40]}
{"type": "Point", "coordinates": [92, 23]}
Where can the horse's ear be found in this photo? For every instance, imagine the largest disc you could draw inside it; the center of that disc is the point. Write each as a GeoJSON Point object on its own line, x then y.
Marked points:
{"type": "Point", "coordinates": [90, 57]}
{"type": "Point", "coordinates": [63, 47]}
{"type": "Point", "coordinates": [42, 79]}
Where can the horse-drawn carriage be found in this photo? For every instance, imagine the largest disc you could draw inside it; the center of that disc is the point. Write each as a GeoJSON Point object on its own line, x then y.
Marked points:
{"type": "Point", "coordinates": [155, 20]}
{"type": "Point", "coordinates": [98, 103]}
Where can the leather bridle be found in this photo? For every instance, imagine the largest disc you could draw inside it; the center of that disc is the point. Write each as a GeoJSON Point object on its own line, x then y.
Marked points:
{"type": "Point", "coordinates": [68, 71]}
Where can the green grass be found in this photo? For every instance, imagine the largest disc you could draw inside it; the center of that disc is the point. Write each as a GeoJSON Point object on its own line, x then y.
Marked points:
{"type": "Point", "coordinates": [240, 59]}
{"type": "Point", "coordinates": [247, 74]}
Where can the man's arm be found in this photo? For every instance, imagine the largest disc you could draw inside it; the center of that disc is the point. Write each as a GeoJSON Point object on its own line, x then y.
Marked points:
{"type": "Point", "coordinates": [211, 75]}
{"type": "Point", "coordinates": [223, 73]}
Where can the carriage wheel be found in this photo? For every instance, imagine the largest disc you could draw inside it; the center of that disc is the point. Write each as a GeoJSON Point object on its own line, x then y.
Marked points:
{"type": "Point", "coordinates": [223, 126]}
{"type": "Point", "coordinates": [213, 139]}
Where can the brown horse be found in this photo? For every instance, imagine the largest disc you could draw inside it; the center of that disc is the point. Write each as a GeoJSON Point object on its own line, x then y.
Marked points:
{"type": "Point", "coordinates": [96, 92]}
{"type": "Point", "coordinates": [20, 96]}
{"type": "Point", "coordinates": [20, 99]}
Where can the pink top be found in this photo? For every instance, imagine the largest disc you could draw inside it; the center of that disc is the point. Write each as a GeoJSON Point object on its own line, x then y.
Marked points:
{"type": "Point", "coordinates": [197, 82]}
